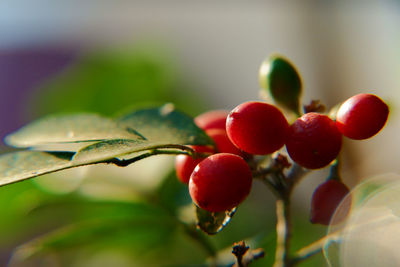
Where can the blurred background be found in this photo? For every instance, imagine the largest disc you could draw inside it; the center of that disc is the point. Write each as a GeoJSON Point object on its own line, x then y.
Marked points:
{"type": "Point", "coordinates": [105, 56]}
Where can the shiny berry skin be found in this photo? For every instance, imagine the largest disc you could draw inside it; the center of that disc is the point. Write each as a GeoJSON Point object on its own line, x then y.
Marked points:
{"type": "Point", "coordinates": [214, 119]}
{"type": "Point", "coordinates": [313, 141]}
{"type": "Point", "coordinates": [362, 116]}
{"type": "Point", "coordinates": [257, 128]}
{"type": "Point", "coordinates": [220, 182]}
{"type": "Point", "coordinates": [224, 145]}
{"type": "Point", "coordinates": [326, 199]}
{"type": "Point", "coordinates": [184, 164]}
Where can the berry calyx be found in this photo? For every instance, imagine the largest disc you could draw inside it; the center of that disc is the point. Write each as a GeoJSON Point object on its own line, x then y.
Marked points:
{"type": "Point", "coordinates": [184, 164]}
{"type": "Point", "coordinates": [313, 141]}
{"type": "Point", "coordinates": [362, 116]}
{"type": "Point", "coordinates": [257, 128]}
{"type": "Point", "coordinates": [214, 119]}
{"type": "Point", "coordinates": [224, 145]}
{"type": "Point", "coordinates": [220, 182]}
{"type": "Point", "coordinates": [325, 201]}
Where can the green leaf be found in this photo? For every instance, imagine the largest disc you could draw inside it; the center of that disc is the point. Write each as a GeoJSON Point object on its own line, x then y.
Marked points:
{"type": "Point", "coordinates": [67, 129]}
{"type": "Point", "coordinates": [18, 166]}
{"type": "Point", "coordinates": [128, 150]}
{"type": "Point", "coordinates": [281, 79]}
{"type": "Point", "coordinates": [163, 127]}
{"type": "Point", "coordinates": [166, 125]}
{"type": "Point", "coordinates": [107, 150]}
{"type": "Point", "coordinates": [166, 131]}
{"type": "Point", "coordinates": [213, 222]}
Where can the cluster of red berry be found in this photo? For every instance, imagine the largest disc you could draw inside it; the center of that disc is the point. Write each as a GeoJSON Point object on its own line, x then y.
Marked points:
{"type": "Point", "coordinates": [223, 180]}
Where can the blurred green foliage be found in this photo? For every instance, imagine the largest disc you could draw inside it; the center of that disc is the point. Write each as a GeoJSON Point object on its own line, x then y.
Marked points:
{"type": "Point", "coordinates": [108, 82]}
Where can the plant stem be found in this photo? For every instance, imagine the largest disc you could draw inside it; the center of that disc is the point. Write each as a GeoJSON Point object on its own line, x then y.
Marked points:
{"type": "Point", "coordinates": [283, 216]}
{"type": "Point", "coordinates": [313, 248]}
{"type": "Point", "coordinates": [283, 232]}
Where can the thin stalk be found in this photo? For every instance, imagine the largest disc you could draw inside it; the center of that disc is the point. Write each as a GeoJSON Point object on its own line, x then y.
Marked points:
{"type": "Point", "coordinates": [283, 215]}
{"type": "Point", "coordinates": [124, 163]}
{"type": "Point", "coordinates": [313, 248]}
{"type": "Point", "coordinates": [283, 232]}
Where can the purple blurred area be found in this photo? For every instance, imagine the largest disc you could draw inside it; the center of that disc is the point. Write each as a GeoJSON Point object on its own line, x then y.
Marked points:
{"type": "Point", "coordinates": [21, 71]}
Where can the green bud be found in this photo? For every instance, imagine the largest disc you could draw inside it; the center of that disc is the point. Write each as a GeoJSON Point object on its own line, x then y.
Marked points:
{"type": "Point", "coordinates": [281, 79]}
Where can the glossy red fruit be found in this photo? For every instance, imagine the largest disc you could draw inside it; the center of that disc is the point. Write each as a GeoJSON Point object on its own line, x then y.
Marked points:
{"type": "Point", "coordinates": [362, 116]}
{"type": "Point", "coordinates": [313, 141]}
{"type": "Point", "coordinates": [220, 182]}
{"type": "Point", "coordinates": [214, 119]}
{"type": "Point", "coordinates": [326, 199]}
{"type": "Point", "coordinates": [184, 165]}
{"type": "Point", "coordinates": [224, 145]}
{"type": "Point", "coordinates": [257, 128]}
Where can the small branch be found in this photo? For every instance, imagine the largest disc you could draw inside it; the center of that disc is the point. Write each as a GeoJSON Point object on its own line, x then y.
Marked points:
{"type": "Point", "coordinates": [283, 232]}
{"type": "Point", "coordinates": [313, 248]}
{"type": "Point", "coordinates": [239, 249]}
{"type": "Point", "coordinates": [295, 174]}
{"type": "Point", "coordinates": [244, 256]}
{"type": "Point", "coordinates": [261, 173]}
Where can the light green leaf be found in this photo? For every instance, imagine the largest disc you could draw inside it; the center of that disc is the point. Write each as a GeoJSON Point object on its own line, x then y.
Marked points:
{"type": "Point", "coordinates": [73, 128]}
{"type": "Point", "coordinates": [108, 149]}
{"type": "Point", "coordinates": [124, 150]}
{"type": "Point", "coordinates": [18, 166]}
{"type": "Point", "coordinates": [163, 127]}
{"type": "Point", "coordinates": [166, 125]}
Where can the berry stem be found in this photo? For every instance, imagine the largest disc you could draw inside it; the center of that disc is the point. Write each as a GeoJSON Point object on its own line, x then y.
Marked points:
{"type": "Point", "coordinates": [334, 171]}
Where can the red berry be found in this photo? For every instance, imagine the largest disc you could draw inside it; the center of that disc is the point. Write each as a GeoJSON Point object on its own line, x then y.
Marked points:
{"type": "Point", "coordinates": [326, 199]}
{"type": "Point", "coordinates": [224, 145]}
{"type": "Point", "coordinates": [313, 141]}
{"type": "Point", "coordinates": [214, 119]}
{"type": "Point", "coordinates": [362, 116]}
{"type": "Point", "coordinates": [184, 165]}
{"type": "Point", "coordinates": [220, 182]}
{"type": "Point", "coordinates": [257, 128]}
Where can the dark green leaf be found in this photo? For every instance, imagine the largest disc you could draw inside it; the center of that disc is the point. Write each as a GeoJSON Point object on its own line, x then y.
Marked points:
{"type": "Point", "coordinates": [281, 79]}
{"type": "Point", "coordinates": [213, 222]}
{"type": "Point", "coordinates": [166, 125]}
{"type": "Point", "coordinates": [69, 129]}
{"type": "Point", "coordinates": [22, 165]}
